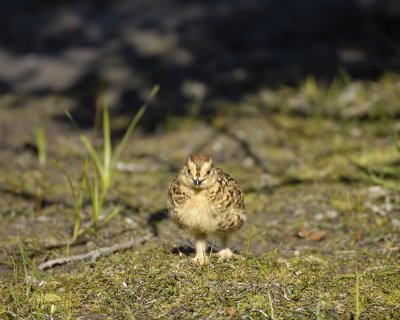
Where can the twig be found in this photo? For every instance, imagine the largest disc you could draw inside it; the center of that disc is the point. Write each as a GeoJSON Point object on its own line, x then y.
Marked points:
{"type": "Point", "coordinates": [32, 252]}
{"type": "Point", "coordinates": [94, 254]}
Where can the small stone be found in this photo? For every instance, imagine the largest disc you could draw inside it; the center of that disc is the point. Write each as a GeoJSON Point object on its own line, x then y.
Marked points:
{"type": "Point", "coordinates": [194, 89]}
{"type": "Point", "coordinates": [319, 217]}
{"type": "Point", "coordinates": [91, 245]}
{"type": "Point", "coordinates": [332, 214]}
{"type": "Point", "coordinates": [356, 132]}
{"type": "Point", "coordinates": [124, 284]}
{"type": "Point", "coordinates": [375, 209]}
{"type": "Point", "coordinates": [396, 223]}
{"type": "Point", "coordinates": [43, 219]}
{"type": "Point", "coordinates": [130, 221]}
{"type": "Point", "coordinates": [30, 280]}
{"type": "Point", "coordinates": [299, 212]}
{"type": "Point", "coordinates": [248, 162]}
{"type": "Point", "coordinates": [217, 146]}
{"type": "Point", "coordinates": [388, 207]}
{"type": "Point", "coordinates": [377, 192]}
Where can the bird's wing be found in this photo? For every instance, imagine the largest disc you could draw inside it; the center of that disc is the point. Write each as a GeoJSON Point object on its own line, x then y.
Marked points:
{"type": "Point", "coordinates": [232, 194]}
{"type": "Point", "coordinates": [228, 199]}
{"type": "Point", "coordinates": [177, 197]}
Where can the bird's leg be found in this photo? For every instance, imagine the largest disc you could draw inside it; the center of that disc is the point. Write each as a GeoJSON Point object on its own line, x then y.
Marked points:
{"type": "Point", "coordinates": [225, 253]}
{"type": "Point", "coordinates": [201, 247]}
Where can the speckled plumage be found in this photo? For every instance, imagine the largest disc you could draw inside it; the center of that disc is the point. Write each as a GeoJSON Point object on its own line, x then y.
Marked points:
{"type": "Point", "coordinates": [205, 200]}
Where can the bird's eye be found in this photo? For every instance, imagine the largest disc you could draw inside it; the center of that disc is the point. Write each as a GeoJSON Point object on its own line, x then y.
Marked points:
{"type": "Point", "coordinates": [208, 172]}
{"type": "Point", "coordinates": [188, 170]}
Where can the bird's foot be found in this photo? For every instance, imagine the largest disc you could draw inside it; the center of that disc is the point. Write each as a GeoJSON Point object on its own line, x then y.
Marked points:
{"type": "Point", "coordinates": [225, 254]}
{"type": "Point", "coordinates": [200, 259]}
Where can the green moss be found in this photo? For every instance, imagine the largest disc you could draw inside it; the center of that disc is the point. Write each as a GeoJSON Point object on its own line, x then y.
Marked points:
{"type": "Point", "coordinates": [154, 283]}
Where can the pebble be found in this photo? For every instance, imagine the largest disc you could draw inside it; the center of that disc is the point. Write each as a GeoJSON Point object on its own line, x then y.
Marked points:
{"type": "Point", "coordinates": [388, 206]}
{"type": "Point", "coordinates": [319, 217]}
{"type": "Point", "coordinates": [332, 214]}
{"type": "Point", "coordinates": [299, 212]}
{"type": "Point", "coordinates": [131, 222]}
{"type": "Point", "coordinates": [43, 219]}
{"type": "Point", "coordinates": [376, 192]}
{"type": "Point", "coordinates": [31, 281]}
{"type": "Point", "coordinates": [396, 223]}
{"type": "Point", "coordinates": [91, 245]}
{"type": "Point", "coordinates": [248, 162]}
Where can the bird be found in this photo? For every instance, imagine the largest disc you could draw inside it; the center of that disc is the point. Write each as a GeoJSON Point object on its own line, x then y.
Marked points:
{"type": "Point", "coordinates": [205, 200]}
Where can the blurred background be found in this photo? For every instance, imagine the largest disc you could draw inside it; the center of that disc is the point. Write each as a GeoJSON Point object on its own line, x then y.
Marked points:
{"type": "Point", "coordinates": [202, 53]}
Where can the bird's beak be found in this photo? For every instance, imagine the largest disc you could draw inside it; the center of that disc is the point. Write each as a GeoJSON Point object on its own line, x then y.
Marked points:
{"type": "Point", "coordinates": [197, 182]}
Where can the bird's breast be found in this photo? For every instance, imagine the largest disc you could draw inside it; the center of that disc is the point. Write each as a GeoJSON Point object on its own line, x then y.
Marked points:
{"type": "Point", "coordinates": [198, 214]}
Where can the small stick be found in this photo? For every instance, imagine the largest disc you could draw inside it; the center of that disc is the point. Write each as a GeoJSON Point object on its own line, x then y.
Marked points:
{"type": "Point", "coordinates": [94, 254]}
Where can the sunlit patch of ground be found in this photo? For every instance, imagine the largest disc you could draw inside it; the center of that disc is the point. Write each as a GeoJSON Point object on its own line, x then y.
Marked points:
{"type": "Point", "coordinates": [321, 238]}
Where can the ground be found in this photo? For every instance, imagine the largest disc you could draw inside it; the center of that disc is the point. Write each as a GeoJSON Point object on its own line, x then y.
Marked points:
{"type": "Point", "coordinates": [319, 167]}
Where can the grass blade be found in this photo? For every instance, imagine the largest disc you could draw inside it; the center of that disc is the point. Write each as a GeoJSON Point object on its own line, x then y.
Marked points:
{"type": "Point", "coordinates": [77, 201]}
{"type": "Point", "coordinates": [69, 179]}
{"type": "Point", "coordinates": [41, 145]}
{"type": "Point", "coordinates": [271, 305]}
{"type": "Point", "coordinates": [113, 214]}
{"type": "Point", "coordinates": [357, 297]}
{"type": "Point", "coordinates": [72, 121]}
{"type": "Point", "coordinates": [132, 127]}
{"type": "Point", "coordinates": [248, 243]}
{"type": "Point", "coordinates": [78, 208]}
{"type": "Point", "coordinates": [94, 196]}
{"type": "Point", "coordinates": [107, 150]}
{"type": "Point", "coordinates": [96, 203]}
{"type": "Point", "coordinates": [88, 145]}
{"type": "Point", "coordinates": [93, 154]}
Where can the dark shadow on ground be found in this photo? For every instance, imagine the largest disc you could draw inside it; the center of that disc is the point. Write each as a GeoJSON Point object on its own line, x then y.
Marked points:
{"type": "Point", "coordinates": [154, 218]}
{"type": "Point", "coordinates": [185, 250]}
{"type": "Point", "coordinates": [216, 50]}
{"type": "Point", "coordinates": [189, 250]}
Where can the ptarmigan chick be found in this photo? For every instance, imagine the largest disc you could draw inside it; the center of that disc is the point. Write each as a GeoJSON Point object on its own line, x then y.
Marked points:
{"type": "Point", "coordinates": [205, 200]}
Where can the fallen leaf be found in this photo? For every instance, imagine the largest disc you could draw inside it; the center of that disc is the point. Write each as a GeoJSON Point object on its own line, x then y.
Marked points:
{"type": "Point", "coordinates": [303, 233]}
{"type": "Point", "coordinates": [317, 236]}
{"type": "Point", "coordinates": [359, 234]}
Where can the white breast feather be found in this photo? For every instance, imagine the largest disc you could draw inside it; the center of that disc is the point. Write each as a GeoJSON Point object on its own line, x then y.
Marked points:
{"type": "Point", "coordinates": [198, 214]}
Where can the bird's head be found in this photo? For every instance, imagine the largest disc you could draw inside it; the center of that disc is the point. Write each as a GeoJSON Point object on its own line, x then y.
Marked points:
{"type": "Point", "coordinates": [199, 172]}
